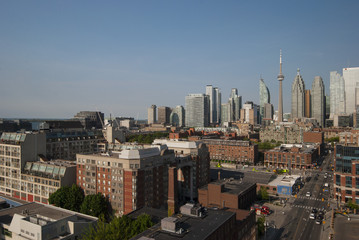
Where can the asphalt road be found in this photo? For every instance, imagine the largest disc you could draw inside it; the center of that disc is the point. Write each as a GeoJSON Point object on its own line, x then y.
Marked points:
{"type": "Point", "coordinates": [298, 225]}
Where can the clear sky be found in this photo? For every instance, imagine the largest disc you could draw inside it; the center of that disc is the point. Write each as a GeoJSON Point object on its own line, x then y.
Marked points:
{"type": "Point", "coordinates": [60, 57]}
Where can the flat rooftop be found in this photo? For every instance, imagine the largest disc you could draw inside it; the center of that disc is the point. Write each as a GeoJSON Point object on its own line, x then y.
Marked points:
{"type": "Point", "coordinates": [196, 228]}
{"type": "Point", "coordinates": [232, 186]}
{"type": "Point", "coordinates": [44, 210]}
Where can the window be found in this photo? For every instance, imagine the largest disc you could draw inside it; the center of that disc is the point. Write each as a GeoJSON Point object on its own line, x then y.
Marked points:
{"type": "Point", "coordinates": [348, 181]}
{"type": "Point", "coordinates": [348, 192]}
{"type": "Point", "coordinates": [337, 180]}
{"type": "Point", "coordinates": [357, 182]}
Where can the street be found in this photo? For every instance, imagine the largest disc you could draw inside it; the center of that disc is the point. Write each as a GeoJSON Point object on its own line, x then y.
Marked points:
{"type": "Point", "coordinates": [295, 222]}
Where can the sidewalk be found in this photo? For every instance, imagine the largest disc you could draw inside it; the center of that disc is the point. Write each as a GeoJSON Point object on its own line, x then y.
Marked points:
{"type": "Point", "coordinates": [324, 235]}
{"type": "Point", "coordinates": [276, 221]}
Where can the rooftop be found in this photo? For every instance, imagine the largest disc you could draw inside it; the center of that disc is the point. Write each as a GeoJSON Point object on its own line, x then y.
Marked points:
{"type": "Point", "coordinates": [43, 210]}
{"type": "Point", "coordinates": [232, 186]}
{"type": "Point", "coordinates": [195, 228]}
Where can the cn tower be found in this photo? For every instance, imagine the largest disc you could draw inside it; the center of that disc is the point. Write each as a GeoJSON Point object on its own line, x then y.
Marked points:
{"type": "Point", "coordinates": [280, 79]}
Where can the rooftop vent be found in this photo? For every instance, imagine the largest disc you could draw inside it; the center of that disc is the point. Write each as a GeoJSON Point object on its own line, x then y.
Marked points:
{"type": "Point", "coordinates": [192, 210]}
{"type": "Point", "coordinates": [172, 225]}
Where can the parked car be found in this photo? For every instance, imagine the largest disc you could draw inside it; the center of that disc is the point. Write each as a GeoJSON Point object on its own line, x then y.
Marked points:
{"type": "Point", "coordinates": [308, 194]}
{"type": "Point", "coordinates": [312, 215]}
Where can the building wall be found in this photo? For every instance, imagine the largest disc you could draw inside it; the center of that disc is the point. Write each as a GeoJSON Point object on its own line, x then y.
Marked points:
{"type": "Point", "coordinates": [232, 150]}
{"type": "Point", "coordinates": [346, 174]}
{"type": "Point", "coordinates": [129, 183]}
{"type": "Point", "coordinates": [215, 196]}
{"type": "Point", "coordinates": [295, 158]}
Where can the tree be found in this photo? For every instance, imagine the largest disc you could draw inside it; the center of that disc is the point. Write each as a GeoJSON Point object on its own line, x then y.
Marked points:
{"type": "Point", "coordinates": [263, 194]}
{"type": "Point", "coordinates": [95, 205]}
{"type": "Point", "coordinates": [68, 197]}
{"type": "Point", "coordinates": [260, 225]}
{"type": "Point", "coordinates": [119, 228]}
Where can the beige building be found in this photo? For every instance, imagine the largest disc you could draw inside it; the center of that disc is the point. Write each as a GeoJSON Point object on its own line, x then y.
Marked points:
{"type": "Point", "coordinates": [284, 132]}
{"type": "Point", "coordinates": [16, 149]}
{"type": "Point", "coordinates": [40, 179]}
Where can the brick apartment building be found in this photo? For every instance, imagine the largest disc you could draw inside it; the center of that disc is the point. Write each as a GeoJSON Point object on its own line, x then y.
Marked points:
{"type": "Point", "coordinates": [346, 173]}
{"type": "Point", "coordinates": [132, 178]}
{"type": "Point", "coordinates": [228, 193]}
{"type": "Point", "coordinates": [292, 155]}
{"type": "Point", "coordinates": [315, 137]}
{"type": "Point", "coordinates": [232, 151]}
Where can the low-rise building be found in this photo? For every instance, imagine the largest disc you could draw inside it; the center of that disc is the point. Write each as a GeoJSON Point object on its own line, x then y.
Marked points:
{"type": "Point", "coordinates": [39, 221]}
{"type": "Point", "coordinates": [229, 193]}
{"type": "Point", "coordinates": [232, 151]}
{"type": "Point", "coordinates": [285, 132]}
{"type": "Point", "coordinates": [292, 156]}
{"type": "Point", "coordinates": [40, 179]}
{"type": "Point", "coordinates": [194, 222]}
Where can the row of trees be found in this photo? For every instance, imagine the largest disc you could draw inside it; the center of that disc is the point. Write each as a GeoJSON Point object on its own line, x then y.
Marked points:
{"type": "Point", "coordinates": [119, 228]}
{"type": "Point", "coordinates": [146, 138]}
{"type": "Point", "coordinates": [73, 198]}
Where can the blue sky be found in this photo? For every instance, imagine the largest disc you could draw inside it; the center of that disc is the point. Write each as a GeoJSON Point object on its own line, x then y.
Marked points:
{"type": "Point", "coordinates": [60, 57]}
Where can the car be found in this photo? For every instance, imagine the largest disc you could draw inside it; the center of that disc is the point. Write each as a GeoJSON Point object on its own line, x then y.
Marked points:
{"type": "Point", "coordinates": [314, 210]}
{"type": "Point", "coordinates": [321, 213]}
{"type": "Point", "coordinates": [319, 219]}
{"type": "Point", "coordinates": [308, 194]}
{"type": "Point", "coordinates": [312, 216]}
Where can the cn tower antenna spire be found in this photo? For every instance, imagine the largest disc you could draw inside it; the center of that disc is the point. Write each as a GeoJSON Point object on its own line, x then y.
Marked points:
{"type": "Point", "coordinates": [280, 79]}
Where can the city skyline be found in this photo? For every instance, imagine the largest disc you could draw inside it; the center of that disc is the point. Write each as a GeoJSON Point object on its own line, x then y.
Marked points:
{"type": "Point", "coordinates": [58, 58]}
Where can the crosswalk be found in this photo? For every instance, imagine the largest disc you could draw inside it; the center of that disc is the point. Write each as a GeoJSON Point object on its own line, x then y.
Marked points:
{"type": "Point", "coordinates": [302, 206]}
{"type": "Point", "coordinates": [310, 198]}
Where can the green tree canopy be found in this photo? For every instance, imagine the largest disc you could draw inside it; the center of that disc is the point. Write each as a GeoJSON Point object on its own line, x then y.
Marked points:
{"type": "Point", "coordinates": [119, 228]}
{"type": "Point", "coordinates": [68, 197]}
{"type": "Point", "coordinates": [95, 205]}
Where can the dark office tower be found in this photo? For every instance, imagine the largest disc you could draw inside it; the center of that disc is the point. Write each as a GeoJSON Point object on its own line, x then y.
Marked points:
{"type": "Point", "coordinates": [298, 92]}
{"type": "Point", "coordinates": [235, 102]}
{"type": "Point", "coordinates": [219, 104]}
{"type": "Point", "coordinates": [268, 111]}
{"type": "Point", "coordinates": [264, 97]}
{"type": "Point", "coordinates": [197, 110]}
{"type": "Point", "coordinates": [318, 100]}
{"type": "Point", "coordinates": [151, 114]}
{"type": "Point", "coordinates": [164, 114]}
{"type": "Point", "coordinates": [213, 95]}
{"type": "Point", "coordinates": [280, 79]}
{"type": "Point", "coordinates": [308, 104]}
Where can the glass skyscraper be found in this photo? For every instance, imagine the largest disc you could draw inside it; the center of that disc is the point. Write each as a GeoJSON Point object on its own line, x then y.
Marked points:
{"type": "Point", "coordinates": [318, 100]}
{"type": "Point", "coordinates": [298, 93]}
{"type": "Point", "coordinates": [197, 110]}
{"type": "Point", "coordinates": [264, 96]}
{"type": "Point", "coordinates": [351, 82]}
{"type": "Point", "coordinates": [337, 94]}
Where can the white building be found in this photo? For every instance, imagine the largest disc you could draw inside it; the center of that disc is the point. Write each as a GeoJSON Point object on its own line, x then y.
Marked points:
{"type": "Point", "coordinates": [337, 94]}
{"type": "Point", "coordinates": [40, 221]}
{"type": "Point", "coordinates": [351, 80]}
